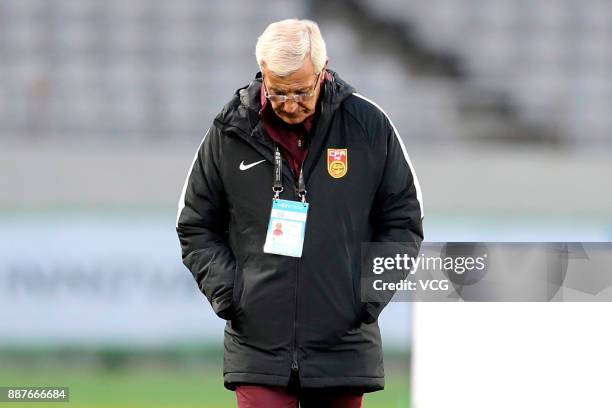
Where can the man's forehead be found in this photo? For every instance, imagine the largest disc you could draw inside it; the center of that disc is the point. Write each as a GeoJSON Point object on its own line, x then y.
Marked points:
{"type": "Point", "coordinates": [300, 79]}
{"type": "Point", "coordinates": [275, 84]}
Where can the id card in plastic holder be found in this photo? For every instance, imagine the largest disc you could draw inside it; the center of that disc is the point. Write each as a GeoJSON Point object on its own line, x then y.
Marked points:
{"type": "Point", "coordinates": [286, 228]}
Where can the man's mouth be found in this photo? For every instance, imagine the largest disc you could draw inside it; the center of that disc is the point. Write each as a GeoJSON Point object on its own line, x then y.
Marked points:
{"type": "Point", "coordinates": [292, 115]}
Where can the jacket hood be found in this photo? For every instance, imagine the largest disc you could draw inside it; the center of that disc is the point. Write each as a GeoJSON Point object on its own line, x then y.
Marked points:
{"type": "Point", "coordinates": [242, 111]}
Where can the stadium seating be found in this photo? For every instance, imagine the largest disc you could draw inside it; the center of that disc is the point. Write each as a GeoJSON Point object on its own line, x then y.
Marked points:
{"type": "Point", "coordinates": [143, 69]}
{"type": "Point", "coordinates": [552, 57]}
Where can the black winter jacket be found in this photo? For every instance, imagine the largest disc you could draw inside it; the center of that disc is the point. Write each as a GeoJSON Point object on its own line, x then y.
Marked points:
{"type": "Point", "coordinates": [297, 314]}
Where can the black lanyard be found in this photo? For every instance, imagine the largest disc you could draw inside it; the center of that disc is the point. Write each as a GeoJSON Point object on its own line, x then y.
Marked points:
{"type": "Point", "coordinates": [277, 186]}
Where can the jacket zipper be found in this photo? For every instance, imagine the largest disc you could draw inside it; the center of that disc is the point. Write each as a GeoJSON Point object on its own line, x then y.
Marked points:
{"type": "Point", "coordinates": [294, 364]}
{"type": "Point", "coordinates": [295, 367]}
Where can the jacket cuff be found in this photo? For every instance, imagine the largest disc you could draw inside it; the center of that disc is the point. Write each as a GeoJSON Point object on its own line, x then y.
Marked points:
{"type": "Point", "coordinates": [223, 307]}
{"type": "Point", "coordinates": [370, 313]}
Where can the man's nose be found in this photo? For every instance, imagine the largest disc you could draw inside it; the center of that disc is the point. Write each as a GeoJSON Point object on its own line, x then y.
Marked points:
{"type": "Point", "coordinates": [291, 106]}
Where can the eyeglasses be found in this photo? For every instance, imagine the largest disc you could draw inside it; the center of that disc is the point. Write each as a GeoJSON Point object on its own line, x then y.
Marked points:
{"type": "Point", "coordinates": [299, 97]}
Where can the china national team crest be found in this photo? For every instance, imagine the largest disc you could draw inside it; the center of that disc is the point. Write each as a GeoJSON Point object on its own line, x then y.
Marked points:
{"type": "Point", "coordinates": [337, 162]}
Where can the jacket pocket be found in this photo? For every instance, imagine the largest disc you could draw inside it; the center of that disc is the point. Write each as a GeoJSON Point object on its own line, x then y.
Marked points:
{"type": "Point", "coordinates": [237, 289]}
{"type": "Point", "coordinates": [357, 304]}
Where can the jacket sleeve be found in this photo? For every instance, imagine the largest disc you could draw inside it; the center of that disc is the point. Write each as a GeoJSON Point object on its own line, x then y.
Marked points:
{"type": "Point", "coordinates": [202, 225]}
{"type": "Point", "coordinates": [397, 211]}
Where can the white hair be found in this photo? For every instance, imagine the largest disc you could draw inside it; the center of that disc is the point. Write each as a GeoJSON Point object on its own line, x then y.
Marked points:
{"type": "Point", "coordinates": [284, 45]}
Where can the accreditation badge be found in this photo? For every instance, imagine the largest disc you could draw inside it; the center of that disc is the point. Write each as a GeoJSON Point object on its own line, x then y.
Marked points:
{"type": "Point", "coordinates": [286, 228]}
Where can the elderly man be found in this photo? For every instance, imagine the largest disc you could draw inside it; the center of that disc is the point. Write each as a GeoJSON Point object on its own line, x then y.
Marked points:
{"type": "Point", "coordinates": [296, 150]}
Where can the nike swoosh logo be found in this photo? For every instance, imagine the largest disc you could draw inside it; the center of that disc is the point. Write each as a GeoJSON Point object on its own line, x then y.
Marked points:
{"type": "Point", "coordinates": [244, 167]}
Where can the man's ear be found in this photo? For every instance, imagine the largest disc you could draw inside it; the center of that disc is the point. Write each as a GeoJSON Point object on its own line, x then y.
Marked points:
{"type": "Point", "coordinates": [322, 79]}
